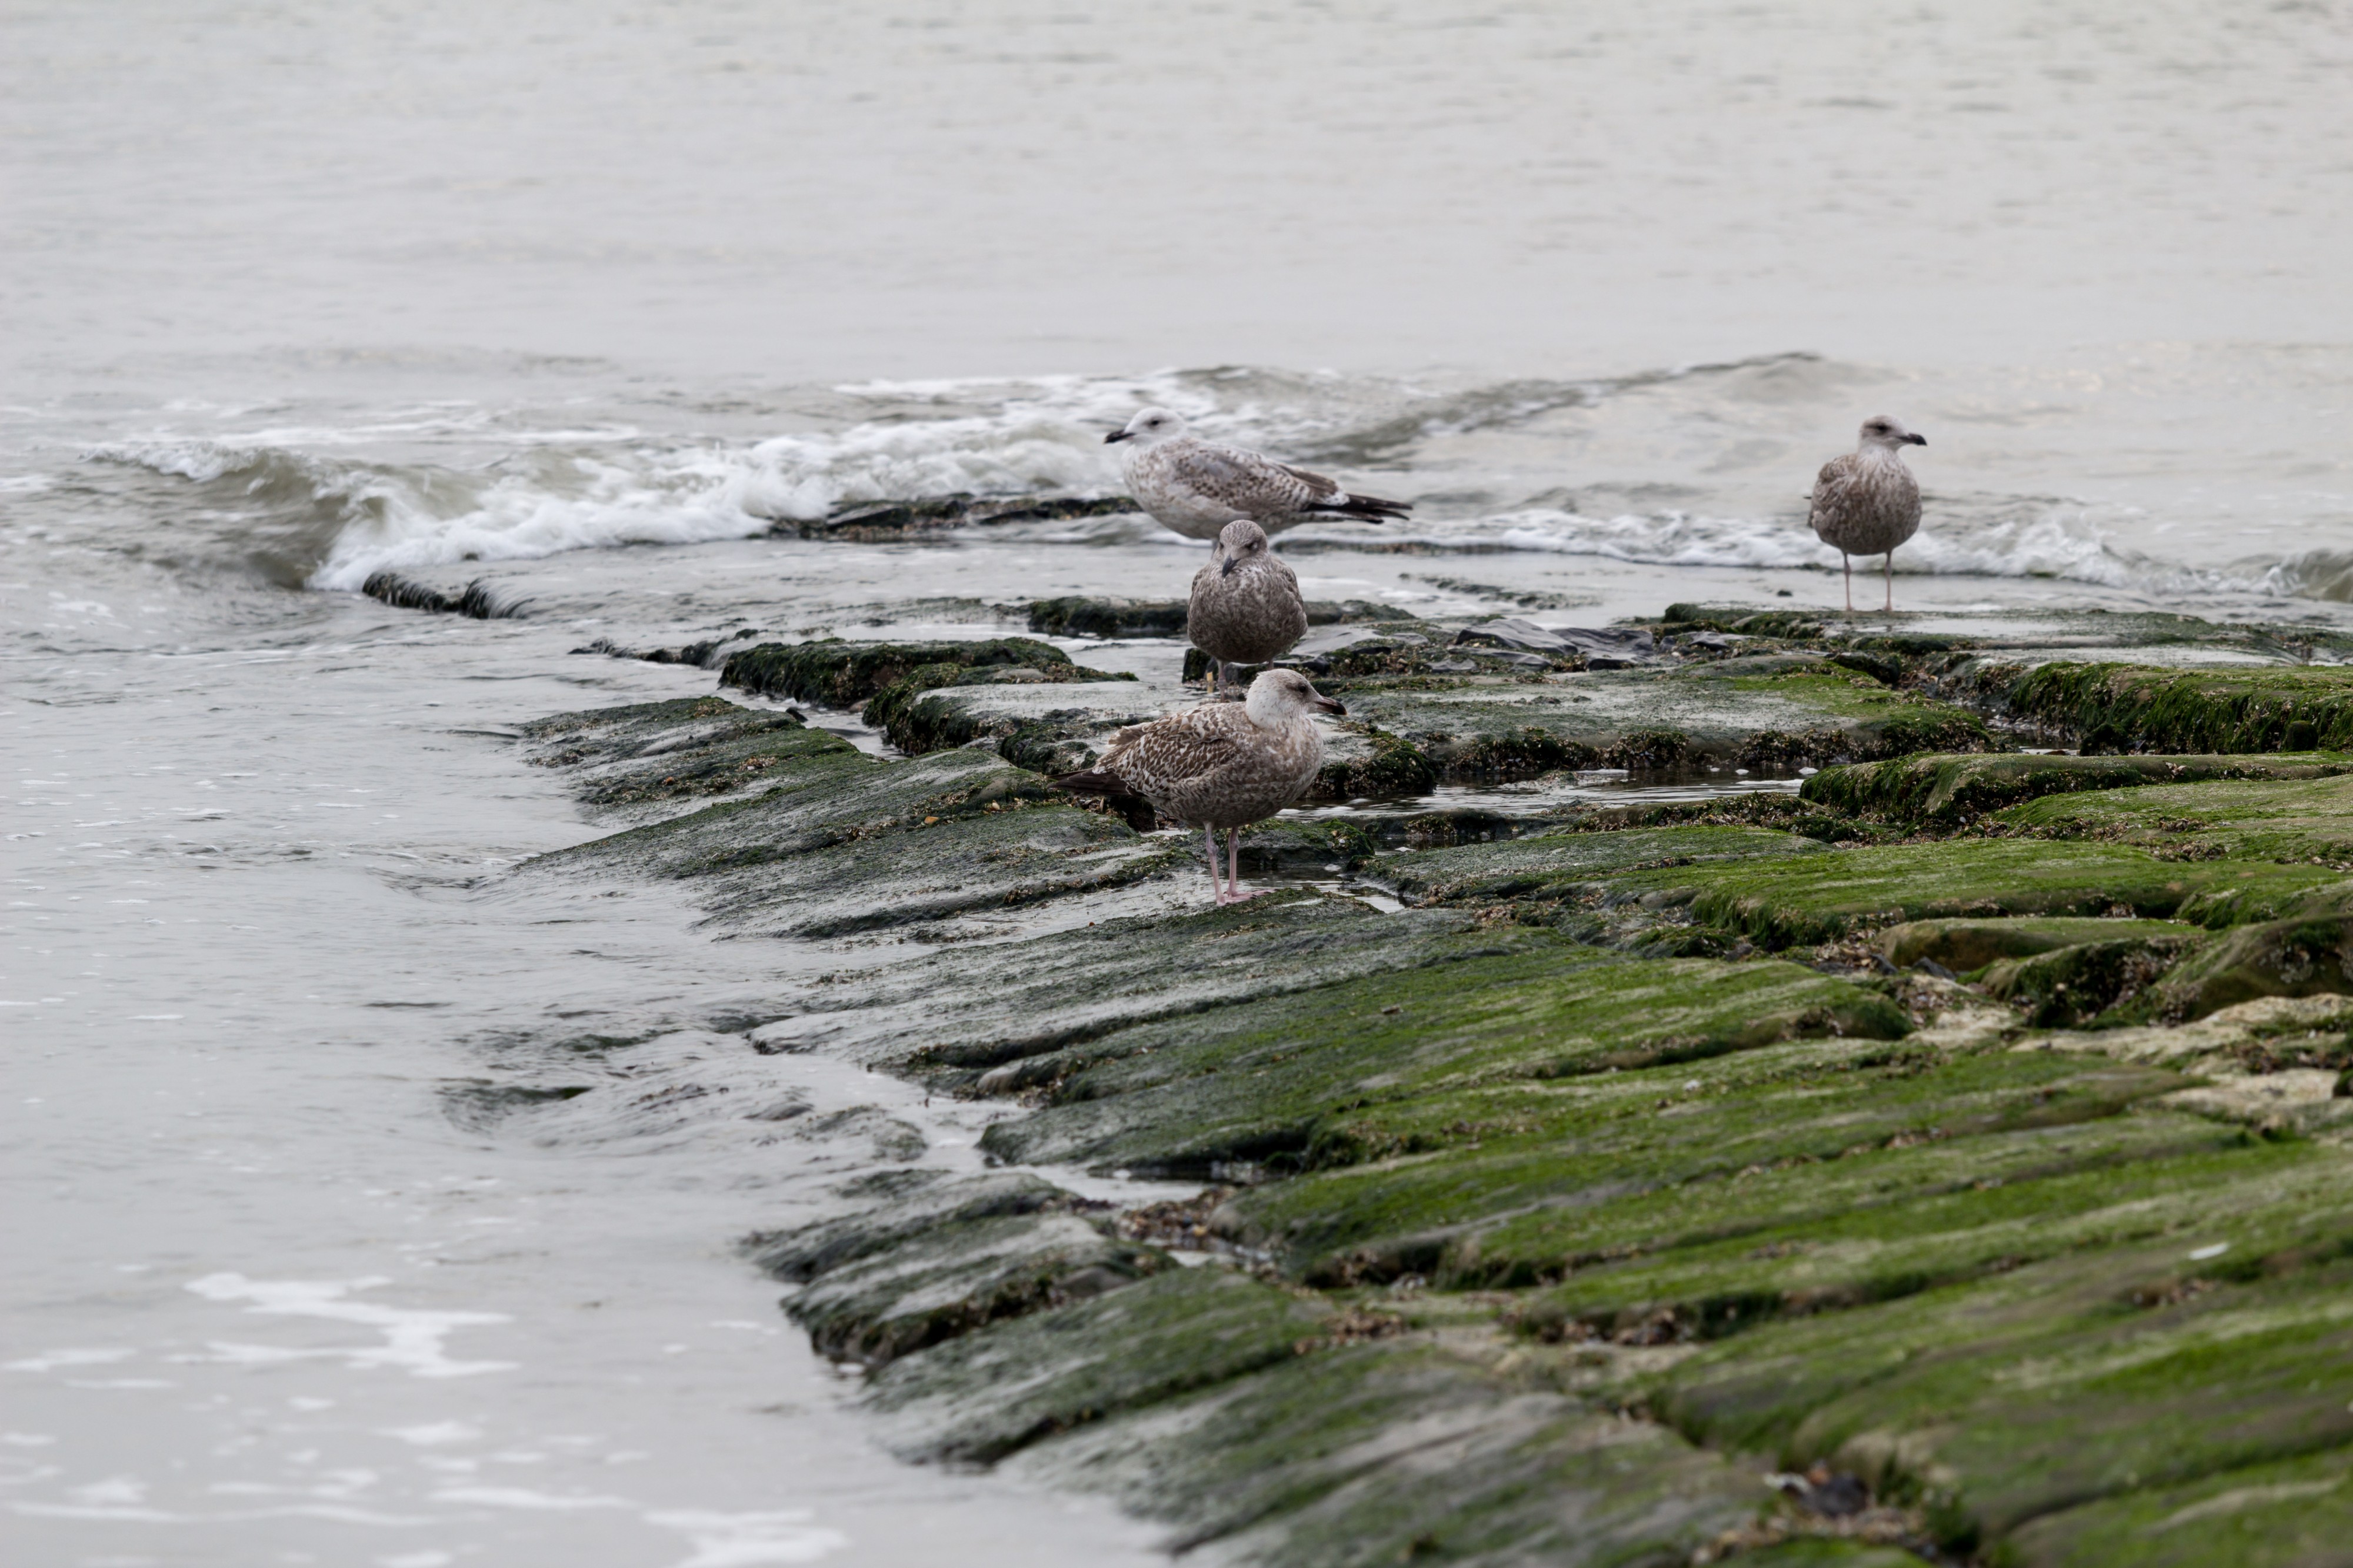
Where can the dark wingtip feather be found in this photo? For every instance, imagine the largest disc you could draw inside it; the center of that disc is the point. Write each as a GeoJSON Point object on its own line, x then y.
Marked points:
{"type": "Point", "coordinates": [1092, 781]}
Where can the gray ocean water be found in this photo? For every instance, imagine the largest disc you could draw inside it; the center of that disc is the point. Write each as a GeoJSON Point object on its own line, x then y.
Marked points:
{"type": "Point", "coordinates": [580, 299]}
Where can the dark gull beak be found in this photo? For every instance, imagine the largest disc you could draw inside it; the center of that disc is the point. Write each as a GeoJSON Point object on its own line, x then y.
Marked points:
{"type": "Point", "coordinates": [1227, 568]}
{"type": "Point", "coordinates": [1330, 705]}
{"type": "Point", "coordinates": [1117, 436]}
{"type": "Point", "coordinates": [1917, 440]}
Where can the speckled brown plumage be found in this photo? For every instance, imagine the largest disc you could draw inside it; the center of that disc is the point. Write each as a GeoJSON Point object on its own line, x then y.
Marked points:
{"type": "Point", "coordinates": [1196, 486]}
{"type": "Point", "coordinates": [1867, 503]}
{"type": "Point", "coordinates": [1246, 607]}
{"type": "Point", "coordinates": [1222, 764]}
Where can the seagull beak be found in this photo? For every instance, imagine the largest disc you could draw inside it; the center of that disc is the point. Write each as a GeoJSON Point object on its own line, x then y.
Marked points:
{"type": "Point", "coordinates": [1917, 440]}
{"type": "Point", "coordinates": [1227, 568]}
{"type": "Point", "coordinates": [1117, 436]}
{"type": "Point", "coordinates": [1330, 705]}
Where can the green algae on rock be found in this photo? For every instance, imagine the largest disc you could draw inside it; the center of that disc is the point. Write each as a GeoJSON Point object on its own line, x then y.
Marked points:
{"type": "Point", "coordinates": [1945, 790]}
{"type": "Point", "coordinates": [979, 1397]}
{"type": "Point", "coordinates": [2307, 818]}
{"type": "Point", "coordinates": [2234, 709]}
{"type": "Point", "coordinates": [653, 754]}
{"type": "Point", "coordinates": [847, 674]}
{"type": "Point", "coordinates": [1561, 865]}
{"type": "Point", "coordinates": [1966, 945]}
{"type": "Point", "coordinates": [1339, 1075]}
{"type": "Point", "coordinates": [1385, 1453]}
{"type": "Point", "coordinates": [936, 1286]}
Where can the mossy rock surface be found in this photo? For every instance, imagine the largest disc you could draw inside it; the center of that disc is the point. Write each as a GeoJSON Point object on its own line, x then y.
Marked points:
{"type": "Point", "coordinates": [2226, 709]}
{"type": "Point", "coordinates": [1344, 1073]}
{"type": "Point", "coordinates": [2306, 819]}
{"type": "Point", "coordinates": [655, 754]}
{"type": "Point", "coordinates": [2290, 1513]}
{"type": "Point", "coordinates": [2311, 956]}
{"type": "Point", "coordinates": [1479, 728]}
{"type": "Point", "coordinates": [1383, 1453]}
{"type": "Point", "coordinates": [1966, 945]}
{"type": "Point", "coordinates": [845, 842]}
{"type": "Point", "coordinates": [951, 1279]}
{"type": "Point", "coordinates": [842, 673]}
{"type": "Point", "coordinates": [2093, 982]}
{"type": "Point", "coordinates": [956, 1015]}
{"type": "Point", "coordinates": [899, 1207]}
{"type": "Point", "coordinates": [1560, 865]}
{"type": "Point", "coordinates": [1948, 789]}
{"type": "Point", "coordinates": [1476, 1157]}
{"type": "Point", "coordinates": [982, 1396]}
{"type": "Point", "coordinates": [1807, 899]}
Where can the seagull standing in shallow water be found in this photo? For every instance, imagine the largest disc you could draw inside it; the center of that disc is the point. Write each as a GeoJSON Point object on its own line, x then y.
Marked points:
{"type": "Point", "coordinates": [1222, 764]}
{"type": "Point", "coordinates": [1867, 503]}
{"type": "Point", "coordinates": [1195, 488]}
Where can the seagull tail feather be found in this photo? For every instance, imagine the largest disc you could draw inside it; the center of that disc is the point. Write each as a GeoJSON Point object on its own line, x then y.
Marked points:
{"type": "Point", "coordinates": [1364, 509]}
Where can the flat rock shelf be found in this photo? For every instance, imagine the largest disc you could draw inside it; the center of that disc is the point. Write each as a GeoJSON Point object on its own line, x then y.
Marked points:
{"type": "Point", "coordinates": [1946, 1160]}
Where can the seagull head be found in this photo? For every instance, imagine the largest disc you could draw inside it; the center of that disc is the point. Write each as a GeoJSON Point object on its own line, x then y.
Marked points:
{"type": "Point", "coordinates": [1150, 428]}
{"type": "Point", "coordinates": [1279, 696]}
{"type": "Point", "coordinates": [1240, 540]}
{"type": "Point", "coordinates": [1879, 433]}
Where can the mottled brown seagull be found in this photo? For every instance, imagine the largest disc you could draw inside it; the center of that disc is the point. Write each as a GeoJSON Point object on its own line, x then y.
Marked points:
{"type": "Point", "coordinates": [1867, 503]}
{"type": "Point", "coordinates": [1220, 766]}
{"type": "Point", "coordinates": [1246, 607]}
{"type": "Point", "coordinates": [1197, 486]}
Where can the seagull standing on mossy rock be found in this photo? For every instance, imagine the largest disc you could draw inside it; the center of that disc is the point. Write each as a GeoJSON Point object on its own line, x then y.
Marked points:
{"type": "Point", "coordinates": [1867, 503]}
{"type": "Point", "coordinates": [1194, 487]}
{"type": "Point", "coordinates": [1220, 766]}
{"type": "Point", "coordinates": [1246, 607]}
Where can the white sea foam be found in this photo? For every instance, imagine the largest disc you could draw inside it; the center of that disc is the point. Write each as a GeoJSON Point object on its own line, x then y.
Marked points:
{"type": "Point", "coordinates": [412, 1336]}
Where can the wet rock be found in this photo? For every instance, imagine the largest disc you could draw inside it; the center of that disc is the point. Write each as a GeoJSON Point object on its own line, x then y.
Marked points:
{"type": "Point", "coordinates": [2072, 987]}
{"type": "Point", "coordinates": [475, 599]}
{"type": "Point", "coordinates": [1302, 846]}
{"type": "Point", "coordinates": [1556, 865]}
{"type": "Point", "coordinates": [2233, 709]}
{"type": "Point", "coordinates": [1944, 789]}
{"type": "Point", "coordinates": [979, 1397]}
{"type": "Point", "coordinates": [882, 521]}
{"type": "Point", "coordinates": [847, 673]}
{"type": "Point", "coordinates": [1919, 1396]}
{"type": "Point", "coordinates": [2307, 818]}
{"type": "Point", "coordinates": [1965, 946]}
{"type": "Point", "coordinates": [2295, 957]}
{"type": "Point", "coordinates": [903, 1205]}
{"type": "Point", "coordinates": [2290, 1511]}
{"type": "Point", "coordinates": [959, 1013]}
{"type": "Point", "coordinates": [1630, 1194]}
{"type": "Point", "coordinates": [709, 654]}
{"type": "Point", "coordinates": [936, 1284]}
{"type": "Point", "coordinates": [837, 846]}
{"type": "Point", "coordinates": [1116, 617]}
{"type": "Point", "coordinates": [657, 754]}
{"type": "Point", "coordinates": [1787, 900]}
{"type": "Point", "coordinates": [1047, 725]}
{"type": "Point", "coordinates": [1374, 1453]}
{"type": "Point", "coordinates": [1370, 1068]}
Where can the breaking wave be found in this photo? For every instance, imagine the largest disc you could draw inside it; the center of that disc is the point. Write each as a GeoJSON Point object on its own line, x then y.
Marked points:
{"type": "Point", "coordinates": [308, 509]}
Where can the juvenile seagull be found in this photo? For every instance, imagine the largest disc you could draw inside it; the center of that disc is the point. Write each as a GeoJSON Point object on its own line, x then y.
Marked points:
{"type": "Point", "coordinates": [1867, 503]}
{"type": "Point", "coordinates": [1222, 764]}
{"type": "Point", "coordinates": [1245, 606]}
{"type": "Point", "coordinates": [1197, 486]}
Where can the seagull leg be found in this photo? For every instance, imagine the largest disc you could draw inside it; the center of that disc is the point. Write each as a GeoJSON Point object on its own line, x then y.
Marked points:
{"type": "Point", "coordinates": [1891, 582]}
{"type": "Point", "coordinates": [1848, 561]}
{"type": "Point", "coordinates": [1209, 837]}
{"type": "Point", "coordinates": [1234, 868]}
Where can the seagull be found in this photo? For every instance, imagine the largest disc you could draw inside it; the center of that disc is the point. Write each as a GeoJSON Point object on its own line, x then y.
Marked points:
{"type": "Point", "coordinates": [1195, 488]}
{"type": "Point", "coordinates": [1222, 764]}
{"type": "Point", "coordinates": [1867, 501]}
{"type": "Point", "coordinates": [1246, 607]}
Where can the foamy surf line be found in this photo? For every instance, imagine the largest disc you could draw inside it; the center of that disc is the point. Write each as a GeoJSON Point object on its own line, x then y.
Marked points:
{"type": "Point", "coordinates": [331, 519]}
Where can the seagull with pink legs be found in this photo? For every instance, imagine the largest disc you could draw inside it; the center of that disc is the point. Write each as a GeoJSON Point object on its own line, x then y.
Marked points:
{"type": "Point", "coordinates": [1220, 766]}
